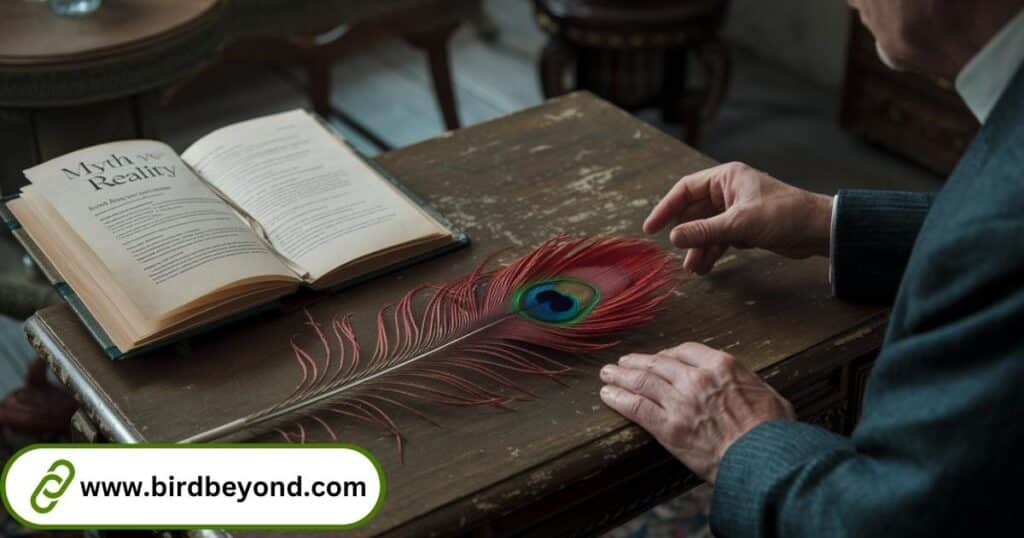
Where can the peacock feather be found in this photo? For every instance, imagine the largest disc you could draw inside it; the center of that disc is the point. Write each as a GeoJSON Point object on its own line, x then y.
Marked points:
{"type": "Point", "coordinates": [466, 342]}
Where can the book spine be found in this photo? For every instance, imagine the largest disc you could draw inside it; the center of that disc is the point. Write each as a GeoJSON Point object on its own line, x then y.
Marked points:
{"type": "Point", "coordinates": [91, 325]}
{"type": "Point", "coordinates": [6, 216]}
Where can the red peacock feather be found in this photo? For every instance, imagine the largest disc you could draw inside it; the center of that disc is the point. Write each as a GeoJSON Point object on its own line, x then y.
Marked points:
{"type": "Point", "coordinates": [459, 343]}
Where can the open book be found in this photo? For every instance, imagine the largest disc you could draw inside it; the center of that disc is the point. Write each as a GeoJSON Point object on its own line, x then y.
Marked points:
{"type": "Point", "coordinates": [155, 245]}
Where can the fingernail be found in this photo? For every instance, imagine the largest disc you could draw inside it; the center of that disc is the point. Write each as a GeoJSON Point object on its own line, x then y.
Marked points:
{"type": "Point", "coordinates": [606, 392]}
{"type": "Point", "coordinates": [606, 372]}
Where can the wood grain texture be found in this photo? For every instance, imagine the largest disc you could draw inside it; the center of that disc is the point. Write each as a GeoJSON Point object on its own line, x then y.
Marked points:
{"type": "Point", "coordinates": [575, 165]}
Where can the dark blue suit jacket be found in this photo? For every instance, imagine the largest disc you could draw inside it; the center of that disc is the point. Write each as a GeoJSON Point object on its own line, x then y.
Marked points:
{"type": "Point", "coordinates": [939, 450]}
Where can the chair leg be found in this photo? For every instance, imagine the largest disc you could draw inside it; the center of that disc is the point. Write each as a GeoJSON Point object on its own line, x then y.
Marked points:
{"type": "Point", "coordinates": [673, 98]}
{"type": "Point", "coordinates": [435, 45]}
{"type": "Point", "coordinates": [483, 23]}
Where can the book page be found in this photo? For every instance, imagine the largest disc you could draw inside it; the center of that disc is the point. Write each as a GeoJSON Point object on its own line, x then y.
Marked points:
{"type": "Point", "coordinates": [318, 203]}
{"type": "Point", "coordinates": [166, 236]}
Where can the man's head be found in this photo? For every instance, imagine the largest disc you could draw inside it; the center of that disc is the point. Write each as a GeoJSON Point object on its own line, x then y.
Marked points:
{"type": "Point", "coordinates": [934, 36]}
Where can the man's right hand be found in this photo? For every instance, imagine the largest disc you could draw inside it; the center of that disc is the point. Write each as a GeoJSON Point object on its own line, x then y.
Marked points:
{"type": "Point", "coordinates": [734, 205]}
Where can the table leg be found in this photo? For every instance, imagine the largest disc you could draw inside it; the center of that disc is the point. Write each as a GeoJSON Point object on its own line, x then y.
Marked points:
{"type": "Point", "coordinates": [83, 430]}
{"type": "Point", "coordinates": [17, 138]}
{"type": "Point", "coordinates": [65, 129]}
{"type": "Point", "coordinates": [555, 60]}
{"type": "Point", "coordinates": [318, 74]}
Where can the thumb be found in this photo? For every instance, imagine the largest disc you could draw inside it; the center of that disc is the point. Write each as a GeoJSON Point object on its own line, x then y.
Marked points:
{"type": "Point", "coordinates": [704, 232]}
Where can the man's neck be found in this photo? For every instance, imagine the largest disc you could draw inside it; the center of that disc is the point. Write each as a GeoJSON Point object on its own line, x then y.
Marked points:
{"type": "Point", "coordinates": [986, 76]}
{"type": "Point", "coordinates": [979, 28]}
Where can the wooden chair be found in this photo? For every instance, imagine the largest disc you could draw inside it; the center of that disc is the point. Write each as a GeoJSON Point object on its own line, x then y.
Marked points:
{"type": "Point", "coordinates": [316, 33]}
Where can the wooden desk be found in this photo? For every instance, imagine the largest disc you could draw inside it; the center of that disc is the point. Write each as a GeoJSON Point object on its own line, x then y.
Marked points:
{"type": "Point", "coordinates": [560, 465]}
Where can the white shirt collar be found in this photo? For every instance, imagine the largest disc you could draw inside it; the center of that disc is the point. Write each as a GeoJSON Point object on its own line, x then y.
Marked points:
{"type": "Point", "coordinates": [984, 79]}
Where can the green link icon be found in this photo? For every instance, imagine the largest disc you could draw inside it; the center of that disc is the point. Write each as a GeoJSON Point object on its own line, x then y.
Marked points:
{"type": "Point", "coordinates": [62, 483]}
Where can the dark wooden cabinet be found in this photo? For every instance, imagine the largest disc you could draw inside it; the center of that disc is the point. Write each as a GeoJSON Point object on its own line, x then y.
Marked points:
{"type": "Point", "coordinates": [919, 117]}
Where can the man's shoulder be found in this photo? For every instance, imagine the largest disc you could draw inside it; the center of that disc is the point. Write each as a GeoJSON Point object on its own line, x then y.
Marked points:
{"type": "Point", "coordinates": [970, 243]}
{"type": "Point", "coordinates": [999, 146]}
{"type": "Point", "coordinates": [989, 182]}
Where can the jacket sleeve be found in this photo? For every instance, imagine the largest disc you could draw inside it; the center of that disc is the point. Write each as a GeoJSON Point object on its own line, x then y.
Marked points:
{"type": "Point", "coordinates": [873, 233]}
{"type": "Point", "coordinates": [938, 449]}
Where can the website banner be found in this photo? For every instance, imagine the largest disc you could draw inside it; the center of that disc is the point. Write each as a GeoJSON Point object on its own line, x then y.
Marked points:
{"type": "Point", "coordinates": [192, 486]}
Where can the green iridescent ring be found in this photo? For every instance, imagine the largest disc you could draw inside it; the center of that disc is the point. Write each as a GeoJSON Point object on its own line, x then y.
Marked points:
{"type": "Point", "coordinates": [559, 301]}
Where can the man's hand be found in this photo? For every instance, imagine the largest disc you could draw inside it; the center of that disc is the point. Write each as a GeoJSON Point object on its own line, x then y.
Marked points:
{"type": "Point", "coordinates": [733, 205]}
{"type": "Point", "coordinates": [696, 401]}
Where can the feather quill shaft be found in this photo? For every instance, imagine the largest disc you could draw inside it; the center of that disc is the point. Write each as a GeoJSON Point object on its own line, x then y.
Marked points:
{"type": "Point", "coordinates": [225, 431]}
{"type": "Point", "coordinates": [459, 342]}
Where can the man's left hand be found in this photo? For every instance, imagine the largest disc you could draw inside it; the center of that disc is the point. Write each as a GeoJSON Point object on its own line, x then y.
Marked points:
{"type": "Point", "coordinates": [695, 400]}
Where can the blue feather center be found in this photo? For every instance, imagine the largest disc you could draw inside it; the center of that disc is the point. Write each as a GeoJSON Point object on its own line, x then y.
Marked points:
{"type": "Point", "coordinates": [558, 301]}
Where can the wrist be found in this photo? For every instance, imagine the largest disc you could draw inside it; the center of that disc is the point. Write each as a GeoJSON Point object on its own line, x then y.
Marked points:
{"type": "Point", "coordinates": [820, 225]}
{"type": "Point", "coordinates": [711, 474]}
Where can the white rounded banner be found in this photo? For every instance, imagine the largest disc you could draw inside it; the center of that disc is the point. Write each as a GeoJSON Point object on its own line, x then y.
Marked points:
{"type": "Point", "coordinates": [192, 486]}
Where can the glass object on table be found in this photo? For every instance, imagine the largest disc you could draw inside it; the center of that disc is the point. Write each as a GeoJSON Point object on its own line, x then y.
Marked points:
{"type": "Point", "coordinates": [74, 8]}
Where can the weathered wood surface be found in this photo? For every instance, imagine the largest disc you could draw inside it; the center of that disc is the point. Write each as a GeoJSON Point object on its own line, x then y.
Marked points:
{"type": "Point", "coordinates": [575, 165]}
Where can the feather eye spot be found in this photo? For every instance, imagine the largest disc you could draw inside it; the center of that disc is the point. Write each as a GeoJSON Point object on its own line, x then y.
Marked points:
{"type": "Point", "coordinates": [558, 301]}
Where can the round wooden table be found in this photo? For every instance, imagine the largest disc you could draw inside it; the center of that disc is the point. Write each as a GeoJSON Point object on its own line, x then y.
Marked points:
{"type": "Point", "coordinates": [71, 82]}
